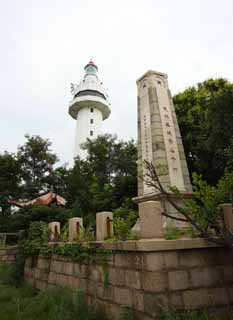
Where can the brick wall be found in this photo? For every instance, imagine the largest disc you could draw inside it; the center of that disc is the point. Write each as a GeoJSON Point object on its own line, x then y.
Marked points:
{"type": "Point", "coordinates": [8, 255]}
{"type": "Point", "coordinates": [145, 275]}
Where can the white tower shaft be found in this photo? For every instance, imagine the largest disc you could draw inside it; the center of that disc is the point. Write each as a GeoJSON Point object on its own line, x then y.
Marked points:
{"type": "Point", "coordinates": [89, 108]}
{"type": "Point", "coordinates": [88, 125]}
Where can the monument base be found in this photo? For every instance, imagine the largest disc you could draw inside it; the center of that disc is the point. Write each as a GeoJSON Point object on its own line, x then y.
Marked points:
{"type": "Point", "coordinates": [167, 207]}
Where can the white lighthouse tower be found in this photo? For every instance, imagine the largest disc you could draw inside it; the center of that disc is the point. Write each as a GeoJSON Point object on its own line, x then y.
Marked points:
{"type": "Point", "coordinates": [89, 108]}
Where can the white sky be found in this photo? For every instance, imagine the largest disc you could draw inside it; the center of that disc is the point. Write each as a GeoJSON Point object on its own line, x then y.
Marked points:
{"type": "Point", "coordinates": [45, 45]}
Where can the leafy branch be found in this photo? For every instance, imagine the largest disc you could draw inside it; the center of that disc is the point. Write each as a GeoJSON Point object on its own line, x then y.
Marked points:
{"type": "Point", "coordinates": [202, 211]}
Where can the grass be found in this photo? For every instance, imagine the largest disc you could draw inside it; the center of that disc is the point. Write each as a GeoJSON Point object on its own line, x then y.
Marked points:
{"type": "Point", "coordinates": [211, 314]}
{"type": "Point", "coordinates": [25, 303]}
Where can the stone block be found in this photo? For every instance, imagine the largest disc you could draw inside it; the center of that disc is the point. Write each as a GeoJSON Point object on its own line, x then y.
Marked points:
{"type": "Point", "coordinates": [191, 258]}
{"type": "Point", "coordinates": [194, 299]}
{"type": "Point", "coordinates": [178, 280]}
{"type": "Point", "coordinates": [227, 274]}
{"type": "Point", "coordinates": [68, 268]}
{"type": "Point", "coordinates": [3, 252]}
{"type": "Point", "coordinates": [155, 281]}
{"type": "Point", "coordinates": [128, 260]}
{"type": "Point", "coordinates": [171, 260]}
{"type": "Point", "coordinates": [96, 273]}
{"type": "Point", "coordinates": [153, 261]}
{"type": "Point", "coordinates": [43, 263]}
{"type": "Point", "coordinates": [205, 277]}
{"type": "Point", "coordinates": [81, 270]}
{"type": "Point", "coordinates": [105, 293]}
{"type": "Point", "coordinates": [52, 277]}
{"type": "Point", "coordinates": [62, 280]}
{"type": "Point", "coordinates": [133, 279]}
{"type": "Point", "coordinates": [75, 225]}
{"type": "Point", "coordinates": [227, 216]}
{"type": "Point", "coordinates": [176, 301]}
{"type": "Point", "coordinates": [54, 230]}
{"type": "Point", "coordinates": [138, 300]}
{"type": "Point", "coordinates": [44, 275]}
{"type": "Point", "coordinates": [92, 287]}
{"type": "Point", "coordinates": [73, 282]}
{"type": "Point", "coordinates": [150, 218]}
{"type": "Point", "coordinates": [230, 294]}
{"type": "Point", "coordinates": [123, 296]}
{"type": "Point", "coordinates": [154, 303]}
{"type": "Point", "coordinates": [113, 310]}
{"type": "Point", "coordinates": [104, 225]}
{"type": "Point", "coordinates": [56, 266]}
{"type": "Point", "coordinates": [218, 296]}
{"type": "Point", "coordinates": [83, 285]}
{"type": "Point", "coordinates": [37, 273]}
{"type": "Point", "coordinates": [116, 276]}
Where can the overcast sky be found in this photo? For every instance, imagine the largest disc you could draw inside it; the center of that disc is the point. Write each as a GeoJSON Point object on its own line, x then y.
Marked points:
{"type": "Point", "coordinates": [45, 45]}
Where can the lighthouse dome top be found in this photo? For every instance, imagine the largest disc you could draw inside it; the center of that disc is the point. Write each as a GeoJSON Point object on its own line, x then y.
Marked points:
{"type": "Point", "coordinates": [89, 92]}
{"type": "Point", "coordinates": [91, 68]}
{"type": "Point", "coordinates": [90, 84]}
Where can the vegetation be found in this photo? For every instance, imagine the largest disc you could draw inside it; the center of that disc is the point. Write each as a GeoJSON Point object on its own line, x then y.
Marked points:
{"type": "Point", "coordinates": [123, 221]}
{"type": "Point", "coordinates": [106, 180]}
{"type": "Point", "coordinates": [36, 243]}
{"type": "Point", "coordinates": [25, 303]}
{"type": "Point", "coordinates": [205, 117]}
{"type": "Point", "coordinates": [202, 211]}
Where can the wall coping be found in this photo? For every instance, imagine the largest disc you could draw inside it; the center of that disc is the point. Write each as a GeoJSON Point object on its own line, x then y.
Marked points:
{"type": "Point", "coordinates": [157, 244]}
{"type": "Point", "coordinates": [151, 244]}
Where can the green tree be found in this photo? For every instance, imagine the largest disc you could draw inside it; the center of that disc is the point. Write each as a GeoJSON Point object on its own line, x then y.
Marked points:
{"type": "Point", "coordinates": [107, 179]}
{"type": "Point", "coordinates": [205, 116]}
{"type": "Point", "coordinates": [10, 178]}
{"type": "Point", "coordinates": [36, 161]}
{"type": "Point", "coordinates": [22, 218]}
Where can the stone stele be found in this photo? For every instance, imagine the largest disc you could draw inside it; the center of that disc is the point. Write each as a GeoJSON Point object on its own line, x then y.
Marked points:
{"type": "Point", "coordinates": [55, 230]}
{"type": "Point", "coordinates": [75, 225]}
{"type": "Point", "coordinates": [104, 225]}
{"type": "Point", "coordinates": [159, 140]}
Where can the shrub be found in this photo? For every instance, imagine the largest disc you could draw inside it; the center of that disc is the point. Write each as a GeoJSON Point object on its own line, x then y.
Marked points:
{"type": "Point", "coordinates": [124, 219]}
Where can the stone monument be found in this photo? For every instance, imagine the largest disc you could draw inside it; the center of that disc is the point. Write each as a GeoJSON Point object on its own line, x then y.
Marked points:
{"type": "Point", "coordinates": [159, 139]}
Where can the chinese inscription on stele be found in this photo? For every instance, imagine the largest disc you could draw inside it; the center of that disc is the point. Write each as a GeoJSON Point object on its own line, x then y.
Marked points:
{"type": "Point", "coordinates": [158, 127]}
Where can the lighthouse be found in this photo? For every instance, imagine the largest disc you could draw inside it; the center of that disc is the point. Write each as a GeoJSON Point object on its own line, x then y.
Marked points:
{"type": "Point", "coordinates": [89, 107]}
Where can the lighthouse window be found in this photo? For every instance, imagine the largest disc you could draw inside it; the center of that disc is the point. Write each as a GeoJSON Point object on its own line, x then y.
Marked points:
{"type": "Point", "coordinates": [91, 133]}
{"type": "Point", "coordinates": [92, 121]}
{"type": "Point", "coordinates": [92, 110]}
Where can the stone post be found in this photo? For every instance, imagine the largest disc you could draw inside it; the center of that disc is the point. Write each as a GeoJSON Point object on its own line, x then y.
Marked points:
{"type": "Point", "coordinates": [150, 218]}
{"type": "Point", "coordinates": [104, 225]}
{"type": "Point", "coordinates": [75, 225]}
{"type": "Point", "coordinates": [55, 230]}
{"type": "Point", "coordinates": [228, 216]}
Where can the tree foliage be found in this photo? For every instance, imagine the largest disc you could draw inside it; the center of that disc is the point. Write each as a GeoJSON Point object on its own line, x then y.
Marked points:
{"type": "Point", "coordinates": [36, 161]}
{"type": "Point", "coordinates": [10, 178]}
{"type": "Point", "coordinates": [205, 116]}
{"type": "Point", "coordinates": [106, 180]}
{"type": "Point", "coordinates": [202, 211]}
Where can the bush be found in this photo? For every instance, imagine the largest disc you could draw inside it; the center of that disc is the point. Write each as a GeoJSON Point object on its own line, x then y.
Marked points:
{"type": "Point", "coordinates": [38, 236]}
{"type": "Point", "coordinates": [124, 219]}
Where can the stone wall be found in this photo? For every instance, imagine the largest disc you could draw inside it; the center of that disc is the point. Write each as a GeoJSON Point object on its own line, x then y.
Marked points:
{"type": "Point", "coordinates": [145, 275]}
{"type": "Point", "coordinates": [8, 255]}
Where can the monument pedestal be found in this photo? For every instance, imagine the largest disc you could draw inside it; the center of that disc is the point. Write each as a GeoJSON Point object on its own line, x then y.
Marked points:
{"type": "Point", "coordinates": [167, 207]}
{"type": "Point", "coordinates": [150, 220]}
